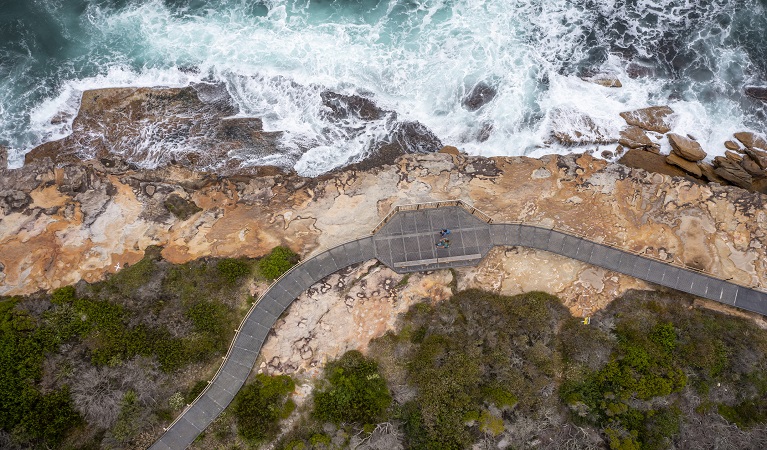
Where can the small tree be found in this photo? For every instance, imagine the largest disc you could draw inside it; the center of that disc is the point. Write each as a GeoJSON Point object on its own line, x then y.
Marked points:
{"type": "Point", "coordinates": [260, 405]}
{"type": "Point", "coordinates": [279, 261]}
{"type": "Point", "coordinates": [353, 391]}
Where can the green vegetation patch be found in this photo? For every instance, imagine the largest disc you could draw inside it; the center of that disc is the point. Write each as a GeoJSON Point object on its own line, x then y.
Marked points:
{"type": "Point", "coordinates": [260, 405]}
{"type": "Point", "coordinates": [352, 391]}
{"type": "Point", "coordinates": [279, 261]}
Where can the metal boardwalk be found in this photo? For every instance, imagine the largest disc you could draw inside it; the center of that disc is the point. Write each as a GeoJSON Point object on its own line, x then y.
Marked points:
{"type": "Point", "coordinates": [406, 242]}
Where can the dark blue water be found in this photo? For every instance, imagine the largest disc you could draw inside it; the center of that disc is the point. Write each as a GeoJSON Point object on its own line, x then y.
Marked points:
{"type": "Point", "coordinates": [418, 58]}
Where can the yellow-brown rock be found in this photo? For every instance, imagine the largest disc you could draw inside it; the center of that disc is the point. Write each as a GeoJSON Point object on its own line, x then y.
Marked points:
{"type": "Point", "coordinates": [654, 118]}
{"type": "Point", "coordinates": [78, 221]}
{"type": "Point", "coordinates": [751, 140]}
{"type": "Point", "coordinates": [684, 164]}
{"type": "Point", "coordinates": [686, 148]}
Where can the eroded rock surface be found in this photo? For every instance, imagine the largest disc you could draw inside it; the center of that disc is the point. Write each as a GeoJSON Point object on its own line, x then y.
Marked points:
{"type": "Point", "coordinates": [60, 225]}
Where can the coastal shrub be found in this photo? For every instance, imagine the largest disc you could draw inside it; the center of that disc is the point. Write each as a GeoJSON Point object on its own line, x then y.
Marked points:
{"type": "Point", "coordinates": [279, 261]}
{"type": "Point", "coordinates": [352, 390]}
{"type": "Point", "coordinates": [31, 415]}
{"type": "Point", "coordinates": [129, 279]}
{"type": "Point", "coordinates": [208, 317]}
{"type": "Point", "coordinates": [260, 405]}
{"type": "Point", "coordinates": [195, 391]}
{"type": "Point", "coordinates": [233, 269]}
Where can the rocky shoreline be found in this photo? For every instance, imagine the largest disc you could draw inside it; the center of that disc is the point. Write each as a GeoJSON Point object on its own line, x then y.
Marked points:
{"type": "Point", "coordinates": [65, 219]}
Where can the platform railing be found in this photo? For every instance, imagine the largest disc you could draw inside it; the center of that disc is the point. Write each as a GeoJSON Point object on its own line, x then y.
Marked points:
{"type": "Point", "coordinates": [432, 205]}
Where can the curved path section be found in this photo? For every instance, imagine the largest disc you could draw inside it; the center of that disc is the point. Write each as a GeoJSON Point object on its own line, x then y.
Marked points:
{"type": "Point", "coordinates": [405, 241]}
{"type": "Point", "coordinates": [250, 337]}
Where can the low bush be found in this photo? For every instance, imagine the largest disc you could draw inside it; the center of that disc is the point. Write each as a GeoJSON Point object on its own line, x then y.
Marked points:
{"type": "Point", "coordinates": [233, 269]}
{"type": "Point", "coordinates": [260, 405]}
{"type": "Point", "coordinates": [279, 261]}
{"type": "Point", "coordinates": [352, 391]}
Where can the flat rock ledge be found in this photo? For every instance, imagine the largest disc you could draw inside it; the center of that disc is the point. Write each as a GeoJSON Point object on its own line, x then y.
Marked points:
{"type": "Point", "coordinates": [79, 221]}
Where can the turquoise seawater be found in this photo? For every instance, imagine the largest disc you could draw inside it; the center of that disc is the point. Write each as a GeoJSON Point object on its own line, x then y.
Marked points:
{"type": "Point", "coordinates": [416, 57]}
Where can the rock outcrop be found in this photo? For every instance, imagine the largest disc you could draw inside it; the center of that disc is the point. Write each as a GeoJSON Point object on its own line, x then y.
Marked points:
{"type": "Point", "coordinates": [654, 118]}
{"type": "Point", "coordinates": [757, 92]}
{"type": "Point", "coordinates": [78, 221]}
{"type": "Point", "coordinates": [686, 148]}
{"type": "Point", "coordinates": [481, 94]}
{"type": "Point", "coordinates": [198, 127]}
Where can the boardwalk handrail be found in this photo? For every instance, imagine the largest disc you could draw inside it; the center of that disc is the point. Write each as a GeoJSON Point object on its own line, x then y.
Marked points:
{"type": "Point", "coordinates": [430, 205]}
{"type": "Point", "coordinates": [486, 218]}
{"type": "Point", "coordinates": [675, 262]}
{"type": "Point", "coordinates": [559, 229]}
{"type": "Point", "coordinates": [237, 331]}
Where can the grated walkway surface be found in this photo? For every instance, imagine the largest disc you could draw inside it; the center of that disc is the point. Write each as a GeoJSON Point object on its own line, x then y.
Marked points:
{"type": "Point", "coordinates": [406, 243]}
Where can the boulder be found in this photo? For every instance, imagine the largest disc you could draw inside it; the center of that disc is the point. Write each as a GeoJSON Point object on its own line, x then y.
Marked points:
{"type": "Point", "coordinates": [571, 128]}
{"type": "Point", "coordinates": [686, 148]}
{"type": "Point", "coordinates": [653, 162]}
{"type": "Point", "coordinates": [732, 172]}
{"type": "Point", "coordinates": [731, 145]}
{"type": "Point", "coordinates": [708, 173]}
{"type": "Point", "coordinates": [605, 81]}
{"type": "Point", "coordinates": [749, 165]}
{"type": "Point", "coordinates": [684, 164]}
{"type": "Point", "coordinates": [751, 140]}
{"type": "Point", "coordinates": [480, 95]}
{"type": "Point", "coordinates": [757, 92]}
{"type": "Point", "coordinates": [735, 157]}
{"type": "Point", "coordinates": [654, 118]}
{"type": "Point", "coordinates": [635, 137]}
{"type": "Point", "coordinates": [758, 156]}
{"type": "Point", "coordinates": [450, 150]}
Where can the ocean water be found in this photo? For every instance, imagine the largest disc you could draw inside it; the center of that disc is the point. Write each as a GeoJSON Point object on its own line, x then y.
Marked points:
{"type": "Point", "coordinates": [418, 58]}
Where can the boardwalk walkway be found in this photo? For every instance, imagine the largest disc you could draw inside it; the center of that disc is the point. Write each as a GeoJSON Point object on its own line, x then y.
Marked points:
{"type": "Point", "coordinates": [405, 241]}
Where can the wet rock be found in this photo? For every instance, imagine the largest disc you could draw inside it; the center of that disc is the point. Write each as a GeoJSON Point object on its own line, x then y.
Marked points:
{"type": "Point", "coordinates": [684, 164]}
{"type": "Point", "coordinates": [607, 154]}
{"type": "Point", "coordinates": [735, 157]}
{"type": "Point", "coordinates": [484, 133]}
{"type": "Point", "coordinates": [653, 162]}
{"type": "Point", "coordinates": [759, 157]}
{"type": "Point", "coordinates": [3, 158]}
{"type": "Point", "coordinates": [139, 125]}
{"type": "Point", "coordinates": [450, 150]}
{"type": "Point", "coordinates": [732, 172]}
{"type": "Point", "coordinates": [751, 140]}
{"type": "Point", "coordinates": [414, 137]}
{"type": "Point", "coordinates": [757, 92]}
{"type": "Point", "coordinates": [342, 106]}
{"type": "Point", "coordinates": [636, 70]}
{"type": "Point", "coordinates": [731, 145]}
{"type": "Point", "coordinates": [571, 128]}
{"type": "Point", "coordinates": [480, 95]}
{"type": "Point", "coordinates": [245, 136]}
{"type": "Point", "coordinates": [635, 137]}
{"type": "Point", "coordinates": [605, 81]}
{"type": "Point", "coordinates": [654, 118]}
{"type": "Point", "coordinates": [686, 148]}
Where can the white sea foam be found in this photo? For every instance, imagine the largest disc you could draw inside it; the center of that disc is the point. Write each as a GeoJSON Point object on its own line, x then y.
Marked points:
{"type": "Point", "coordinates": [418, 59]}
